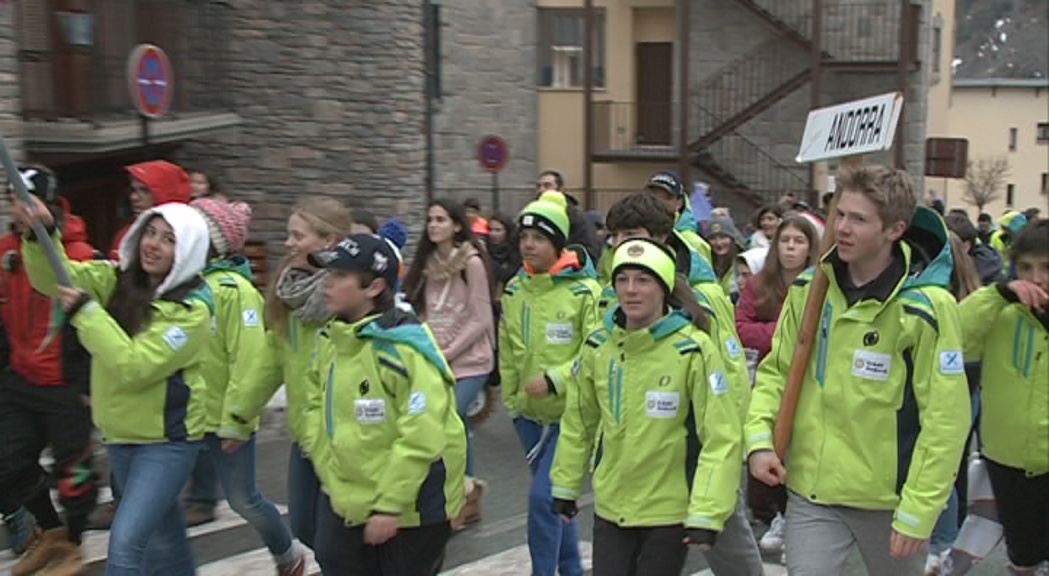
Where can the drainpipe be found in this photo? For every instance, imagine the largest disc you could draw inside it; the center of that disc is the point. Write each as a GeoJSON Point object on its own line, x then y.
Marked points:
{"type": "Point", "coordinates": [428, 95]}
{"type": "Point", "coordinates": [588, 104]}
{"type": "Point", "coordinates": [817, 88]}
{"type": "Point", "coordinates": [683, 31]}
{"type": "Point", "coordinates": [905, 61]}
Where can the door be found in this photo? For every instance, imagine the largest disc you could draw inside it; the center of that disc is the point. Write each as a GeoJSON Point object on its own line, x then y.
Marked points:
{"type": "Point", "coordinates": [654, 85]}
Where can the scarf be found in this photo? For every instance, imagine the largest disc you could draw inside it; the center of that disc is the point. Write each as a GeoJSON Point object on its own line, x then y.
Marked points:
{"type": "Point", "coordinates": [303, 292]}
{"type": "Point", "coordinates": [441, 270]}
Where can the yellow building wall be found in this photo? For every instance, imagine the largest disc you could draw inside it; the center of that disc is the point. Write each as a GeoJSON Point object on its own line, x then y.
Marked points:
{"type": "Point", "coordinates": [940, 91]}
{"type": "Point", "coordinates": [559, 138]}
{"type": "Point", "coordinates": [984, 115]}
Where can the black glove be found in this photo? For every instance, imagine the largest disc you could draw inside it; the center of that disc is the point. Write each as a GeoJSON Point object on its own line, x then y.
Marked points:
{"type": "Point", "coordinates": [566, 508]}
{"type": "Point", "coordinates": [701, 536]}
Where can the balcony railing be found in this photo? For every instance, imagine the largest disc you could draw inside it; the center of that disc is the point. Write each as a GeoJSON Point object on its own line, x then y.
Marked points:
{"type": "Point", "coordinates": [637, 128]}
{"type": "Point", "coordinates": [73, 65]}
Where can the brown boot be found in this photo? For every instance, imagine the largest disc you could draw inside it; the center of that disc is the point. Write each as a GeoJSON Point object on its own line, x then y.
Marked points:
{"type": "Point", "coordinates": [197, 514]}
{"type": "Point", "coordinates": [46, 547]}
{"type": "Point", "coordinates": [71, 565]}
{"type": "Point", "coordinates": [472, 508]}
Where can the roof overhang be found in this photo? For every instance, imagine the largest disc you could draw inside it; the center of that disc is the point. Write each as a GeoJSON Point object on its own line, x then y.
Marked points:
{"type": "Point", "coordinates": [79, 137]}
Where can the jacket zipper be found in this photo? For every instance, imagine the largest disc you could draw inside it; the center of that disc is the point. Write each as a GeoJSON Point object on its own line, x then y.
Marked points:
{"type": "Point", "coordinates": [329, 408]}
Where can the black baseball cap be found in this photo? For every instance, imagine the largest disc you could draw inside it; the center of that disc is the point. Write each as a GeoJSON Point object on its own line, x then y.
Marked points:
{"type": "Point", "coordinates": [667, 181]}
{"type": "Point", "coordinates": [360, 253]}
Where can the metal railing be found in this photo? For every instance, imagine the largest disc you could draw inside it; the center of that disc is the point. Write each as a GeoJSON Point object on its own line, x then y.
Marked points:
{"type": "Point", "coordinates": [74, 65]}
{"type": "Point", "coordinates": [853, 32]}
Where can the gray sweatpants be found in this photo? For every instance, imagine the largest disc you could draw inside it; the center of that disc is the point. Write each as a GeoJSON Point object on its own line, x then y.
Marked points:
{"type": "Point", "coordinates": [820, 538]}
{"type": "Point", "coordinates": [735, 552]}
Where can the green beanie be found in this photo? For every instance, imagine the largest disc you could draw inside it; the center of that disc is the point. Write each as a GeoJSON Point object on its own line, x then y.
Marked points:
{"type": "Point", "coordinates": [549, 218]}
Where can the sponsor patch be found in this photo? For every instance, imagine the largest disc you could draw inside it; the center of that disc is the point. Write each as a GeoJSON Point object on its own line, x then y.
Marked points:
{"type": "Point", "coordinates": [661, 404]}
{"type": "Point", "coordinates": [560, 333]}
{"type": "Point", "coordinates": [370, 411]}
{"type": "Point", "coordinates": [175, 337]}
{"type": "Point", "coordinates": [732, 346]}
{"type": "Point", "coordinates": [416, 403]}
{"type": "Point", "coordinates": [718, 383]}
{"type": "Point", "coordinates": [952, 362]}
{"type": "Point", "coordinates": [871, 365]}
{"type": "Point", "coordinates": [251, 317]}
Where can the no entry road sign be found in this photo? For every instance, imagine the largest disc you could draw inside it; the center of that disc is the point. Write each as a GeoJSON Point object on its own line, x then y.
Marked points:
{"type": "Point", "coordinates": [492, 153]}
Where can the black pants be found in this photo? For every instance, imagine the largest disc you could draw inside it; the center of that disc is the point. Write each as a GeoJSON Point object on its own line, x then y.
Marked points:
{"type": "Point", "coordinates": [341, 550]}
{"type": "Point", "coordinates": [31, 418]}
{"type": "Point", "coordinates": [648, 551]}
{"type": "Point", "coordinates": [1023, 511]}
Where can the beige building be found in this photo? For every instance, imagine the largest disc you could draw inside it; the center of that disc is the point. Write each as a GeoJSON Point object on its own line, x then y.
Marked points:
{"type": "Point", "coordinates": [750, 86]}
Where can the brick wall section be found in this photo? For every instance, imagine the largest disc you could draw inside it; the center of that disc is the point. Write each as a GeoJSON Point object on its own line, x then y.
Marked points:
{"type": "Point", "coordinates": [331, 97]}
{"type": "Point", "coordinates": [488, 65]}
{"type": "Point", "coordinates": [10, 105]}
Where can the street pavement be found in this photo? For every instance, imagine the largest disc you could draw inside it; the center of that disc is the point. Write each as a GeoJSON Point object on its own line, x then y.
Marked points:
{"type": "Point", "coordinates": [494, 547]}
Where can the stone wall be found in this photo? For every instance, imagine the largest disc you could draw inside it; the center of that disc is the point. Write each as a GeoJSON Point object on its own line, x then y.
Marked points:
{"type": "Point", "coordinates": [10, 105]}
{"type": "Point", "coordinates": [331, 97]}
{"type": "Point", "coordinates": [487, 76]}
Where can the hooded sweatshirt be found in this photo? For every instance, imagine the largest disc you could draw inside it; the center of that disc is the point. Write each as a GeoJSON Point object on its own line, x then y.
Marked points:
{"type": "Point", "coordinates": [459, 311]}
{"type": "Point", "coordinates": [147, 387]}
{"type": "Point", "coordinates": [168, 183]}
{"type": "Point", "coordinates": [884, 408]}
{"type": "Point", "coordinates": [43, 350]}
{"type": "Point", "coordinates": [546, 317]}
{"type": "Point", "coordinates": [238, 341]}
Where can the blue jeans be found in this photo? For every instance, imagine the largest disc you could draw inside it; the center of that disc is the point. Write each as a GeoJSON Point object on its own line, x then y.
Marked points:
{"type": "Point", "coordinates": [945, 532]}
{"type": "Point", "coordinates": [149, 529]}
{"type": "Point", "coordinates": [236, 472]}
{"type": "Point", "coordinates": [552, 543]}
{"type": "Point", "coordinates": [466, 391]}
{"type": "Point", "coordinates": [304, 496]}
{"type": "Point", "coordinates": [204, 483]}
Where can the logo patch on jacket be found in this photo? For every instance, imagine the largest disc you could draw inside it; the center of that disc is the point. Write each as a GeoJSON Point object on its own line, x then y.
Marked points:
{"type": "Point", "coordinates": [251, 317]}
{"type": "Point", "coordinates": [175, 337]}
{"type": "Point", "coordinates": [870, 338]}
{"type": "Point", "coordinates": [370, 410]}
{"type": "Point", "coordinates": [718, 383]}
{"type": "Point", "coordinates": [952, 362]}
{"type": "Point", "coordinates": [732, 346]}
{"type": "Point", "coordinates": [871, 365]}
{"type": "Point", "coordinates": [364, 387]}
{"type": "Point", "coordinates": [560, 333]}
{"type": "Point", "coordinates": [661, 404]}
{"type": "Point", "coordinates": [416, 403]}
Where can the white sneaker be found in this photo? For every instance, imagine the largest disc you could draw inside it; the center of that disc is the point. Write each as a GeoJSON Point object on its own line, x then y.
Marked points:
{"type": "Point", "coordinates": [772, 541]}
{"type": "Point", "coordinates": [932, 565]}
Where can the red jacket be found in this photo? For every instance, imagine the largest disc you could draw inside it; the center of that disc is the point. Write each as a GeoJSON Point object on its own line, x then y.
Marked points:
{"type": "Point", "coordinates": [168, 183]}
{"type": "Point", "coordinates": [27, 315]}
{"type": "Point", "coordinates": [755, 334]}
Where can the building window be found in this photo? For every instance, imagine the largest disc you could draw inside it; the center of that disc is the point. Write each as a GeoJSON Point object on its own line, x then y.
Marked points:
{"type": "Point", "coordinates": [1045, 183]}
{"type": "Point", "coordinates": [937, 45]}
{"type": "Point", "coordinates": [1043, 133]}
{"type": "Point", "coordinates": [1012, 139]}
{"type": "Point", "coordinates": [561, 58]}
{"type": "Point", "coordinates": [1010, 190]}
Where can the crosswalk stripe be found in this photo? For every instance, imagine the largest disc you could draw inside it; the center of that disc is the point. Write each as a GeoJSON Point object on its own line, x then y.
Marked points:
{"type": "Point", "coordinates": [770, 570]}
{"type": "Point", "coordinates": [96, 544]}
{"type": "Point", "coordinates": [254, 562]}
{"type": "Point", "coordinates": [512, 562]}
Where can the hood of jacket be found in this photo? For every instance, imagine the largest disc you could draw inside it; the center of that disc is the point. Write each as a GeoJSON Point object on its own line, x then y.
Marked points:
{"type": "Point", "coordinates": [988, 262]}
{"type": "Point", "coordinates": [574, 262]}
{"type": "Point", "coordinates": [931, 261]}
{"type": "Point", "coordinates": [686, 220]}
{"type": "Point", "coordinates": [168, 182]}
{"type": "Point", "coordinates": [690, 262]}
{"type": "Point", "coordinates": [191, 243]}
{"type": "Point", "coordinates": [236, 264]}
{"type": "Point", "coordinates": [400, 327]}
{"type": "Point", "coordinates": [1013, 221]}
{"type": "Point", "coordinates": [673, 321]}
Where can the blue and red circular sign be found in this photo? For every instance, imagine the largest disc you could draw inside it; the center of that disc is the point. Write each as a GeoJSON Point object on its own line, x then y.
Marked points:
{"type": "Point", "coordinates": [150, 80]}
{"type": "Point", "coordinates": [492, 153]}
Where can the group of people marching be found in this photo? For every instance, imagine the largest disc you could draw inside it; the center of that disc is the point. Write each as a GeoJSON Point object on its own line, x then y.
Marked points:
{"type": "Point", "coordinates": [628, 363]}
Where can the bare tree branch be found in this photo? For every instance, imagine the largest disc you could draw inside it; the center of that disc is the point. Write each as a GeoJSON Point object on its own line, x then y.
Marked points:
{"type": "Point", "coordinates": [984, 180]}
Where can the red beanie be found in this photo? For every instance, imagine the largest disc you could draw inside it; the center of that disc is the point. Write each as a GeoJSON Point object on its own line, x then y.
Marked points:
{"type": "Point", "coordinates": [227, 223]}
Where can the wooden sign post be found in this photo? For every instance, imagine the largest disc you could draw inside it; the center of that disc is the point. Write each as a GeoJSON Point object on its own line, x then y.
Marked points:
{"type": "Point", "coordinates": [846, 131]}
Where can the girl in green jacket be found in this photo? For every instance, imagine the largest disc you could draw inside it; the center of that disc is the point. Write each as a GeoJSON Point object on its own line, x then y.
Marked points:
{"type": "Point", "coordinates": [145, 322]}
{"type": "Point", "coordinates": [294, 314]}
{"type": "Point", "coordinates": [640, 380]}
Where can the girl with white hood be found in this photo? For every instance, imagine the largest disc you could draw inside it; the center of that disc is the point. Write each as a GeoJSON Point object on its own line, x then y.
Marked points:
{"type": "Point", "coordinates": [145, 322]}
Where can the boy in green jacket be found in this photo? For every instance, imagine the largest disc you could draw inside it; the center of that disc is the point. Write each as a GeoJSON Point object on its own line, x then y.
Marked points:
{"type": "Point", "coordinates": [548, 309]}
{"type": "Point", "coordinates": [1006, 326]}
{"type": "Point", "coordinates": [395, 463]}
{"type": "Point", "coordinates": [884, 406]}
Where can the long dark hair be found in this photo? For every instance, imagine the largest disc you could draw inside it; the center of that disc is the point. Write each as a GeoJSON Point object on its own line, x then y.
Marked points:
{"type": "Point", "coordinates": [771, 285]}
{"type": "Point", "coordinates": [415, 281]}
{"type": "Point", "coordinates": [682, 298]}
{"type": "Point", "coordinates": [509, 224]}
{"type": "Point", "coordinates": [131, 304]}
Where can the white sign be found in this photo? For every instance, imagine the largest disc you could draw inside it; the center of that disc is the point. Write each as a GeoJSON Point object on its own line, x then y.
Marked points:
{"type": "Point", "coordinates": [851, 129]}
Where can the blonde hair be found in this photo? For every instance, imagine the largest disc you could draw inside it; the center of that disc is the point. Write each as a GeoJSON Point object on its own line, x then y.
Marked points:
{"type": "Point", "coordinates": [965, 279]}
{"type": "Point", "coordinates": [890, 189]}
{"type": "Point", "coordinates": [327, 218]}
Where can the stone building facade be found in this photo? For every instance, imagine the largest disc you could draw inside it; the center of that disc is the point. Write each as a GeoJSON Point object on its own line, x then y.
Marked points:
{"type": "Point", "coordinates": [10, 103]}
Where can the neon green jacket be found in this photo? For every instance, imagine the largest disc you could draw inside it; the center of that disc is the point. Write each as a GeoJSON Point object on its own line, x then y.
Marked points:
{"type": "Point", "coordinates": [238, 340]}
{"type": "Point", "coordinates": [545, 320]}
{"type": "Point", "coordinates": [1014, 347]}
{"type": "Point", "coordinates": [686, 227]}
{"type": "Point", "coordinates": [395, 442]}
{"type": "Point", "coordinates": [884, 408]}
{"type": "Point", "coordinates": [285, 360]}
{"type": "Point", "coordinates": [148, 388]}
{"type": "Point", "coordinates": [636, 390]}
{"type": "Point", "coordinates": [720, 311]}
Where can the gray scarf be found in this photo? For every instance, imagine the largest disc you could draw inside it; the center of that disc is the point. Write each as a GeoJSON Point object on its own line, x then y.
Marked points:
{"type": "Point", "coordinates": [303, 292]}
